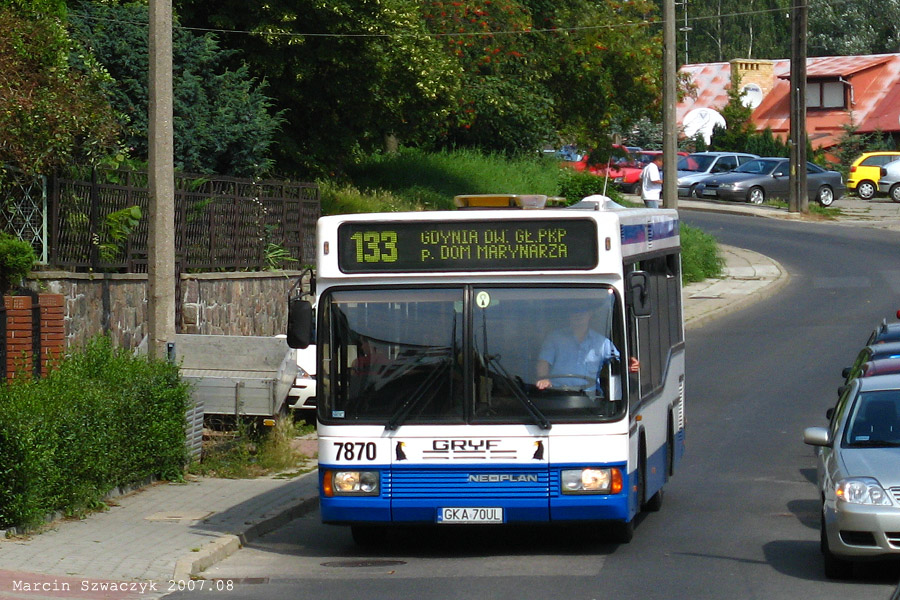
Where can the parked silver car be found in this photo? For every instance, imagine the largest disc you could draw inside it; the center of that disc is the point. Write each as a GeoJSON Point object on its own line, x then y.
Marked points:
{"type": "Point", "coordinates": [890, 180]}
{"type": "Point", "coordinates": [858, 478]}
{"type": "Point", "coordinates": [697, 166]}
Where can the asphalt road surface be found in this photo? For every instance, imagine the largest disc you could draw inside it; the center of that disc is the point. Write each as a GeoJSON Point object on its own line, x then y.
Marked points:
{"type": "Point", "coordinates": [740, 518]}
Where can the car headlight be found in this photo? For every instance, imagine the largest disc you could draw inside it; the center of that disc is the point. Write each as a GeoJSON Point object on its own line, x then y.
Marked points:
{"type": "Point", "coordinates": [862, 490]}
{"type": "Point", "coordinates": [727, 186]}
{"type": "Point", "coordinates": [351, 483]}
{"type": "Point", "coordinates": [591, 481]}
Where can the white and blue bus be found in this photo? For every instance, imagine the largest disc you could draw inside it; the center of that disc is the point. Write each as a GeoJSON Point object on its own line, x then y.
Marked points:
{"type": "Point", "coordinates": [430, 330]}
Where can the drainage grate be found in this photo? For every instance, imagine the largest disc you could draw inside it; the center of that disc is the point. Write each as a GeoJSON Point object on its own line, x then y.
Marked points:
{"type": "Point", "coordinates": [364, 563]}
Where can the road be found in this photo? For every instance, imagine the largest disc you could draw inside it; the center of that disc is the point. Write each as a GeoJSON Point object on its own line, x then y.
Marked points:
{"type": "Point", "coordinates": [740, 519]}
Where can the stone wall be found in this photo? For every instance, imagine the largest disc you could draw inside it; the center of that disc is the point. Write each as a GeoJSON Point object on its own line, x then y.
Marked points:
{"type": "Point", "coordinates": [212, 303]}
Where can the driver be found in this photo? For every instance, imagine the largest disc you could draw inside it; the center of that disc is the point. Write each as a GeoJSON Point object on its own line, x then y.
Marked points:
{"type": "Point", "coordinates": [578, 350]}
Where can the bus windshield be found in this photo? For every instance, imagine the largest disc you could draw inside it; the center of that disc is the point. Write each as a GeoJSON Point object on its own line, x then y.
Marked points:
{"type": "Point", "coordinates": [471, 354]}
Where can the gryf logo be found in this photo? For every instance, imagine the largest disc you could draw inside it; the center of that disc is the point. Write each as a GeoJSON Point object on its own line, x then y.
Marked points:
{"type": "Point", "coordinates": [469, 448]}
{"type": "Point", "coordinates": [502, 478]}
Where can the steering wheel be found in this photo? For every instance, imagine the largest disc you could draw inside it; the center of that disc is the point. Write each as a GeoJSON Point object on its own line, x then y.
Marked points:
{"type": "Point", "coordinates": [589, 381]}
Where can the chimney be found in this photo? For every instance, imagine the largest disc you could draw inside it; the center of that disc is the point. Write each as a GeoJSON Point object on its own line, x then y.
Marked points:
{"type": "Point", "coordinates": [756, 71]}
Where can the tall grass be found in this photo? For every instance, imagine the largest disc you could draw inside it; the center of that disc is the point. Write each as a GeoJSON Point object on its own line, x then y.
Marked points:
{"type": "Point", "coordinates": [431, 179]}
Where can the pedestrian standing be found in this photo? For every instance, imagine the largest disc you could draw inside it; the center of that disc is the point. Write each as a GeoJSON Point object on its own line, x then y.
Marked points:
{"type": "Point", "coordinates": [651, 182]}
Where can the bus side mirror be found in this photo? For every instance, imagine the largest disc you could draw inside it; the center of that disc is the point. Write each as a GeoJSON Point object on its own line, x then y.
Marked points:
{"type": "Point", "coordinates": [300, 323]}
{"type": "Point", "coordinates": [638, 293]}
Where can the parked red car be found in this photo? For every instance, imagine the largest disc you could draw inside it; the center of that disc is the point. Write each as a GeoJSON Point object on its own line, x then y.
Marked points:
{"type": "Point", "coordinates": [623, 171]}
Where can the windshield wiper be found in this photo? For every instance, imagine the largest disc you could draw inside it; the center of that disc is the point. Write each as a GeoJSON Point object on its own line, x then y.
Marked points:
{"type": "Point", "coordinates": [422, 391]}
{"type": "Point", "coordinates": [521, 396]}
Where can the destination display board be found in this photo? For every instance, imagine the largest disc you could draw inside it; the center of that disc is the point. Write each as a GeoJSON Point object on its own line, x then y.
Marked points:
{"type": "Point", "coordinates": [428, 246]}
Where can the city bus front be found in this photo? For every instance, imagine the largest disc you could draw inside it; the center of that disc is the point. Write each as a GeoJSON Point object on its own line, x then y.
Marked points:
{"type": "Point", "coordinates": [461, 399]}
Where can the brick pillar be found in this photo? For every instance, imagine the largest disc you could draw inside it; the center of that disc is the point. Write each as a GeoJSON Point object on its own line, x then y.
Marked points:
{"type": "Point", "coordinates": [19, 334]}
{"type": "Point", "coordinates": [53, 330]}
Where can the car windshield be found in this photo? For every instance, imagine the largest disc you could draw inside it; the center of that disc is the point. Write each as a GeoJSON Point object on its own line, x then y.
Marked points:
{"type": "Point", "coordinates": [758, 166]}
{"type": "Point", "coordinates": [698, 163]}
{"type": "Point", "coordinates": [467, 355]}
{"type": "Point", "coordinates": [874, 420]}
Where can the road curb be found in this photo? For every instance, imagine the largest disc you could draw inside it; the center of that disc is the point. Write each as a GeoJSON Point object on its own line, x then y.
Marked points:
{"type": "Point", "coordinates": [740, 302]}
{"type": "Point", "coordinates": [192, 565]}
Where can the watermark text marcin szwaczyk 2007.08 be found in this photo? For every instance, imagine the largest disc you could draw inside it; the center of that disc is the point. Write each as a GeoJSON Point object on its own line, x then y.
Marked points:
{"type": "Point", "coordinates": [136, 587]}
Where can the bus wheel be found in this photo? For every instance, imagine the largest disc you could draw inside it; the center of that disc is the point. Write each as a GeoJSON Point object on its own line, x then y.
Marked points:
{"type": "Point", "coordinates": [622, 532]}
{"type": "Point", "coordinates": [366, 535]}
{"type": "Point", "coordinates": [655, 502]}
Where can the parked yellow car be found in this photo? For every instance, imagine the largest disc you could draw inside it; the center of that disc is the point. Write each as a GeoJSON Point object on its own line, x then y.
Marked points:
{"type": "Point", "coordinates": [865, 172]}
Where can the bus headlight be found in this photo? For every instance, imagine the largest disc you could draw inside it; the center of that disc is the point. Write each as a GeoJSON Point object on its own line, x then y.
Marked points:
{"type": "Point", "coordinates": [591, 481]}
{"type": "Point", "coordinates": [352, 483]}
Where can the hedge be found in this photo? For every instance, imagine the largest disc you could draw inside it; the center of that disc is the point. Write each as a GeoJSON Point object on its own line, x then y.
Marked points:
{"type": "Point", "coordinates": [102, 419]}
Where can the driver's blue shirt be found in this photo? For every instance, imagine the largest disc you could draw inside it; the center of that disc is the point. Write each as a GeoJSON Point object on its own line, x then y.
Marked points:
{"type": "Point", "coordinates": [567, 356]}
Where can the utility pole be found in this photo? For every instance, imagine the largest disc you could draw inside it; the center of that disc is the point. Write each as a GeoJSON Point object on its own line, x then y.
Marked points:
{"type": "Point", "coordinates": [161, 242]}
{"type": "Point", "coordinates": [670, 128]}
{"type": "Point", "coordinates": [685, 29]}
{"type": "Point", "coordinates": [799, 197]}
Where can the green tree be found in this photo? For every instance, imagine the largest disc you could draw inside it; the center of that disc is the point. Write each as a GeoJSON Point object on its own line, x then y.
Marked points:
{"type": "Point", "coordinates": [51, 113]}
{"type": "Point", "coordinates": [349, 74]}
{"type": "Point", "coordinates": [739, 127]}
{"type": "Point", "coordinates": [725, 29]}
{"type": "Point", "coordinates": [223, 119]}
{"type": "Point", "coordinates": [851, 144]}
{"type": "Point", "coordinates": [605, 71]}
{"type": "Point", "coordinates": [765, 143]}
{"type": "Point", "coordinates": [848, 28]}
{"type": "Point", "coordinates": [500, 104]}
{"type": "Point", "coordinates": [503, 75]}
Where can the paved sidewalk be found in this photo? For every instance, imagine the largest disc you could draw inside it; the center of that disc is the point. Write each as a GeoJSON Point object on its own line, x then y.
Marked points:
{"type": "Point", "coordinates": [747, 277]}
{"type": "Point", "coordinates": [171, 531]}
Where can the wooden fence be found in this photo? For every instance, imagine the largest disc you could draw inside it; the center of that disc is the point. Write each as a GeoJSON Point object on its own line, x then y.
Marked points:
{"type": "Point", "coordinates": [221, 223]}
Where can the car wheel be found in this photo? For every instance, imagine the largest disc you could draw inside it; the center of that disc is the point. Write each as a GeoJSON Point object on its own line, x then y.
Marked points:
{"type": "Point", "coordinates": [692, 193]}
{"type": "Point", "coordinates": [865, 190]}
{"type": "Point", "coordinates": [825, 196]}
{"type": "Point", "coordinates": [835, 567]}
{"type": "Point", "coordinates": [756, 195]}
{"type": "Point", "coordinates": [637, 190]}
{"type": "Point", "coordinates": [895, 193]}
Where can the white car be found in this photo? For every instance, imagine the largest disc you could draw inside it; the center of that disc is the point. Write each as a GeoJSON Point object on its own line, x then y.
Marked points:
{"type": "Point", "coordinates": [890, 180]}
{"type": "Point", "coordinates": [303, 393]}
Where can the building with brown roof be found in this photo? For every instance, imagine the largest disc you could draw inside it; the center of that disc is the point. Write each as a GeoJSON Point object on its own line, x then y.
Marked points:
{"type": "Point", "coordinates": [862, 90]}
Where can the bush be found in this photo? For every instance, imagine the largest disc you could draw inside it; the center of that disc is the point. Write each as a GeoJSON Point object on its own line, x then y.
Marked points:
{"type": "Point", "coordinates": [700, 257]}
{"type": "Point", "coordinates": [573, 186]}
{"type": "Point", "coordinates": [104, 418]}
{"type": "Point", "coordinates": [16, 259]}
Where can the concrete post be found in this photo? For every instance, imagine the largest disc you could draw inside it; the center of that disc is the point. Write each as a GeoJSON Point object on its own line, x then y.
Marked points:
{"type": "Point", "coordinates": [161, 247]}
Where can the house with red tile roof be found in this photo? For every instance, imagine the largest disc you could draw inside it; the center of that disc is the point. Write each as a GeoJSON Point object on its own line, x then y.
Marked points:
{"type": "Point", "coordinates": [864, 89]}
